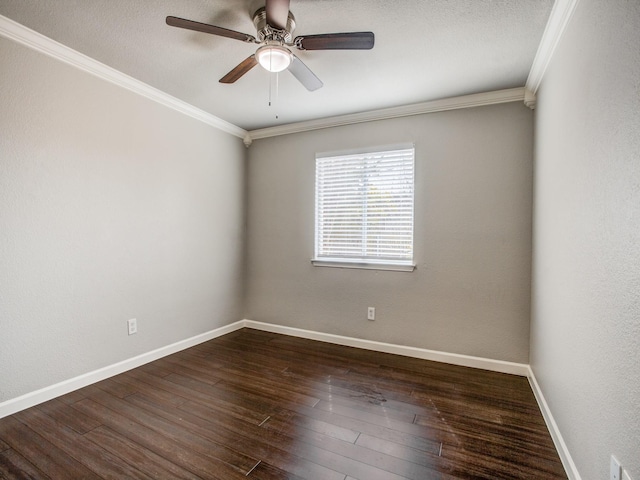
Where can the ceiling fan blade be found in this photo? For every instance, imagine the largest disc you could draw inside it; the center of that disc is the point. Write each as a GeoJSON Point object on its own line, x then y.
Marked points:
{"type": "Point", "coordinates": [212, 29]}
{"type": "Point", "coordinates": [336, 41]}
{"type": "Point", "coordinates": [277, 13]}
{"type": "Point", "coordinates": [304, 75]}
{"type": "Point", "coordinates": [244, 66]}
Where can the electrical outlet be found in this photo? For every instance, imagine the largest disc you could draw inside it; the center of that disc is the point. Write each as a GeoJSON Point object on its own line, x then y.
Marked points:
{"type": "Point", "coordinates": [626, 476]}
{"type": "Point", "coordinates": [132, 326]}
{"type": "Point", "coordinates": [615, 469]}
{"type": "Point", "coordinates": [371, 313]}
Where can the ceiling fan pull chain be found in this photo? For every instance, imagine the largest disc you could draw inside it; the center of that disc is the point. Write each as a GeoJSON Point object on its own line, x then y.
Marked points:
{"type": "Point", "coordinates": [270, 88]}
{"type": "Point", "coordinates": [277, 91]}
{"type": "Point", "coordinates": [273, 103]}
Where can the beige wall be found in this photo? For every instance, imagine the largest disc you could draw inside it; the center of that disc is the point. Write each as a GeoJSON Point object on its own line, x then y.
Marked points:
{"type": "Point", "coordinates": [111, 207]}
{"type": "Point", "coordinates": [585, 333]}
{"type": "Point", "coordinates": [470, 291]}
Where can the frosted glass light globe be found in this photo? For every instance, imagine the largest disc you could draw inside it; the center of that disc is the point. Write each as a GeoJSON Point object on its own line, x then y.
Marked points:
{"type": "Point", "coordinates": [274, 58]}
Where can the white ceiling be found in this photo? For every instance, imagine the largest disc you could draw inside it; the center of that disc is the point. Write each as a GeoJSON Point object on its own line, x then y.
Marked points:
{"type": "Point", "coordinates": [425, 50]}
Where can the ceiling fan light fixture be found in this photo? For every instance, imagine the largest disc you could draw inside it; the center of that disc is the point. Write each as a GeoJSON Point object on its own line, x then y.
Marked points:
{"type": "Point", "coordinates": [274, 58]}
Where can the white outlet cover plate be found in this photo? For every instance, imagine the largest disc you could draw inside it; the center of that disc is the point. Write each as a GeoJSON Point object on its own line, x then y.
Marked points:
{"type": "Point", "coordinates": [626, 476]}
{"type": "Point", "coordinates": [615, 470]}
{"type": "Point", "coordinates": [132, 326]}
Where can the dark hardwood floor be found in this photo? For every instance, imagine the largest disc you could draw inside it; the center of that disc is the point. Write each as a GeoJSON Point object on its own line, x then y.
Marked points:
{"type": "Point", "coordinates": [259, 405]}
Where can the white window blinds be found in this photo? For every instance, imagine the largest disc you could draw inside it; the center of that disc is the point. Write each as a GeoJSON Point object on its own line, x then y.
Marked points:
{"type": "Point", "coordinates": [364, 207]}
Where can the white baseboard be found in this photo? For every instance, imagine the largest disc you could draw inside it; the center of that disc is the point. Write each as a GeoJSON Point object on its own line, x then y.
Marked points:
{"type": "Point", "coordinates": [444, 357]}
{"type": "Point", "coordinates": [561, 447]}
{"type": "Point", "coordinates": [31, 399]}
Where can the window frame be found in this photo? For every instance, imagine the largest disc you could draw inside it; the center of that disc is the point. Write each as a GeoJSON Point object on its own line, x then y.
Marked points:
{"type": "Point", "coordinates": [359, 262]}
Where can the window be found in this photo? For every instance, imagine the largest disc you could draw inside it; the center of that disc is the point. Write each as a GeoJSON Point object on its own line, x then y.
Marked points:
{"type": "Point", "coordinates": [364, 209]}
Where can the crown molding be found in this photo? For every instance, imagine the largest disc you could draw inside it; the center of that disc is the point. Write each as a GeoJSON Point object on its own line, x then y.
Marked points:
{"type": "Point", "coordinates": [529, 99]}
{"type": "Point", "coordinates": [453, 103]}
{"type": "Point", "coordinates": [561, 13]}
{"type": "Point", "coordinates": [38, 42]}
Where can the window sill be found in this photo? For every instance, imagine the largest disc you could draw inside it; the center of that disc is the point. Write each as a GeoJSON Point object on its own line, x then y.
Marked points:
{"type": "Point", "coordinates": [394, 267]}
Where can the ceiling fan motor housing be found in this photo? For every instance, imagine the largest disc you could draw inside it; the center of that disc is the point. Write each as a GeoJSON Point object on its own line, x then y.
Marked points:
{"type": "Point", "coordinates": [267, 32]}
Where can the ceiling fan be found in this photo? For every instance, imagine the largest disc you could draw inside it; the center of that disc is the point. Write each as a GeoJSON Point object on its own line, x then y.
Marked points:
{"type": "Point", "coordinates": [275, 24]}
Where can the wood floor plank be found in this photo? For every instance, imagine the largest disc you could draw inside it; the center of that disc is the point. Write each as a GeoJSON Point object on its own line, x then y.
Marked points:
{"type": "Point", "coordinates": [118, 389]}
{"type": "Point", "coordinates": [145, 460]}
{"type": "Point", "coordinates": [183, 389]}
{"type": "Point", "coordinates": [260, 360]}
{"type": "Point", "coordinates": [465, 464]}
{"type": "Point", "coordinates": [72, 397]}
{"type": "Point", "coordinates": [421, 456]}
{"type": "Point", "coordinates": [380, 420]}
{"type": "Point", "coordinates": [419, 435]}
{"type": "Point", "coordinates": [344, 464]}
{"type": "Point", "coordinates": [94, 457]}
{"type": "Point", "coordinates": [355, 454]}
{"type": "Point", "coordinates": [174, 429]}
{"type": "Point", "coordinates": [194, 369]}
{"type": "Point", "coordinates": [319, 426]}
{"type": "Point", "coordinates": [238, 435]}
{"type": "Point", "coordinates": [42, 454]}
{"type": "Point", "coordinates": [363, 397]}
{"type": "Point", "coordinates": [254, 404]}
{"type": "Point", "coordinates": [510, 437]}
{"type": "Point", "coordinates": [62, 414]}
{"type": "Point", "coordinates": [259, 385]}
{"type": "Point", "coordinates": [15, 466]}
{"type": "Point", "coordinates": [292, 355]}
{"type": "Point", "coordinates": [155, 368]}
{"type": "Point", "coordinates": [201, 465]}
{"type": "Point", "coordinates": [380, 416]}
{"type": "Point", "coordinates": [264, 471]}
